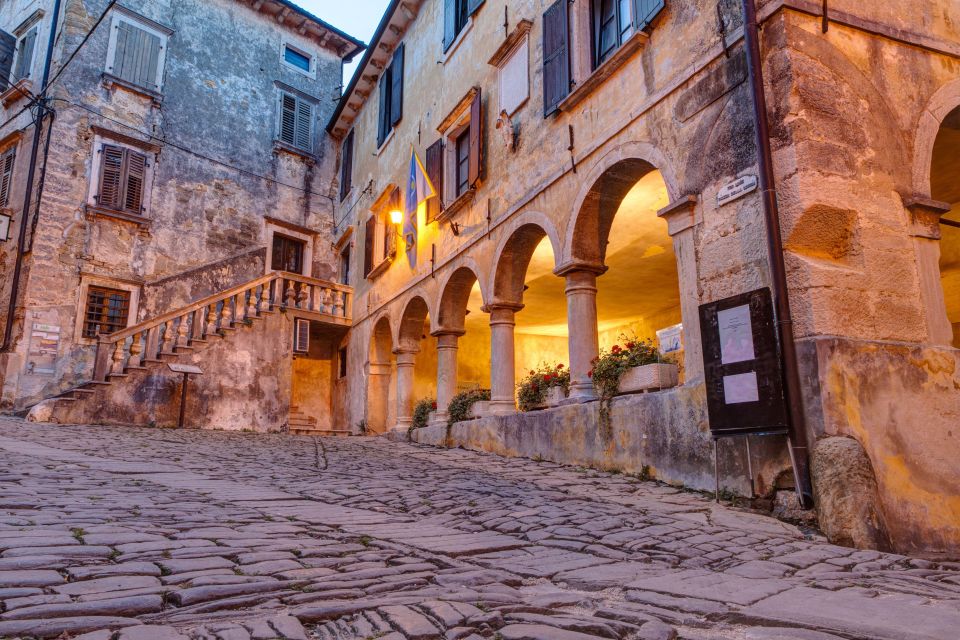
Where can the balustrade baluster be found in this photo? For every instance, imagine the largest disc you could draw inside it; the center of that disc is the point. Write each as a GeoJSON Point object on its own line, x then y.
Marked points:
{"type": "Point", "coordinates": [169, 337]}
{"type": "Point", "coordinates": [289, 295]}
{"type": "Point", "coordinates": [338, 304]}
{"type": "Point", "coordinates": [136, 348]}
{"type": "Point", "coordinates": [251, 303]}
{"type": "Point", "coordinates": [196, 324]}
{"type": "Point", "coordinates": [302, 294]}
{"type": "Point", "coordinates": [226, 314]}
{"type": "Point", "coordinates": [183, 329]}
{"type": "Point", "coordinates": [117, 366]}
{"type": "Point", "coordinates": [212, 320]}
{"type": "Point", "coordinates": [153, 343]}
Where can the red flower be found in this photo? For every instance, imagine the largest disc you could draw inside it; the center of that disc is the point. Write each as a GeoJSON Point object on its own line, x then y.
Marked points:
{"type": "Point", "coordinates": [536, 388]}
{"type": "Point", "coordinates": [590, 373]}
{"type": "Point", "coordinates": [559, 366]}
{"type": "Point", "coordinates": [615, 349]}
{"type": "Point", "coordinates": [532, 372]}
{"type": "Point", "coordinates": [548, 377]}
{"type": "Point", "coordinates": [631, 345]}
{"type": "Point", "coordinates": [434, 406]}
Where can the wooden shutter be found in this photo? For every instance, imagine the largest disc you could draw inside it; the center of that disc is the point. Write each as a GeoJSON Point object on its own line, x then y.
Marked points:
{"type": "Point", "coordinates": [304, 137]}
{"type": "Point", "coordinates": [25, 59]}
{"type": "Point", "coordinates": [556, 59]}
{"type": "Point", "coordinates": [346, 166]}
{"type": "Point", "coordinates": [383, 117]}
{"type": "Point", "coordinates": [8, 48]}
{"type": "Point", "coordinates": [288, 118]}
{"type": "Point", "coordinates": [644, 11]}
{"type": "Point", "coordinates": [435, 173]}
{"type": "Point", "coordinates": [396, 86]}
{"type": "Point", "coordinates": [137, 55]}
{"type": "Point", "coordinates": [6, 175]}
{"type": "Point", "coordinates": [449, 23]}
{"type": "Point", "coordinates": [301, 335]}
{"type": "Point", "coordinates": [476, 140]}
{"type": "Point", "coordinates": [111, 177]}
{"type": "Point", "coordinates": [136, 172]}
{"type": "Point", "coordinates": [473, 5]}
{"type": "Point", "coordinates": [369, 240]}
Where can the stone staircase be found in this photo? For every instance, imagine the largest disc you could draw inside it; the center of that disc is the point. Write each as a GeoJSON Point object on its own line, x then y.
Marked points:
{"type": "Point", "coordinates": [176, 335]}
{"type": "Point", "coordinates": [302, 424]}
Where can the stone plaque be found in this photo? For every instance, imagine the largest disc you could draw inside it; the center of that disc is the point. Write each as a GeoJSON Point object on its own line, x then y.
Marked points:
{"type": "Point", "coordinates": [736, 189]}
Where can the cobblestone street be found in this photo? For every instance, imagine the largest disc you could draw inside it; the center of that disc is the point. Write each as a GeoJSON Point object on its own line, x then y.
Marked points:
{"type": "Point", "coordinates": [153, 534]}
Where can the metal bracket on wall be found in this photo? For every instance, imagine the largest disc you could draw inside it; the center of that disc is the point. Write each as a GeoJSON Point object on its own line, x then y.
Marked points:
{"type": "Point", "coordinates": [826, 17]}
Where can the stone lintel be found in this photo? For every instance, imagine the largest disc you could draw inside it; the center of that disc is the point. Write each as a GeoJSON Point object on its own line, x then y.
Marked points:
{"type": "Point", "coordinates": [925, 216]}
{"type": "Point", "coordinates": [680, 214]}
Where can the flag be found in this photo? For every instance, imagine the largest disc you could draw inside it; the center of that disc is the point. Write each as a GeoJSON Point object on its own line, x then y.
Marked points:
{"type": "Point", "coordinates": [419, 190]}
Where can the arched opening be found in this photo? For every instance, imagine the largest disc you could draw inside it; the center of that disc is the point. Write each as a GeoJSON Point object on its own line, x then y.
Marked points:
{"type": "Point", "coordinates": [416, 360]}
{"type": "Point", "coordinates": [460, 313]}
{"type": "Point", "coordinates": [381, 379]}
{"type": "Point", "coordinates": [638, 293]}
{"type": "Point", "coordinates": [945, 187]}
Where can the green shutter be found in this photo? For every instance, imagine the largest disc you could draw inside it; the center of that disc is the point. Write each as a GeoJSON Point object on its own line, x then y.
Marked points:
{"type": "Point", "coordinates": [25, 55]}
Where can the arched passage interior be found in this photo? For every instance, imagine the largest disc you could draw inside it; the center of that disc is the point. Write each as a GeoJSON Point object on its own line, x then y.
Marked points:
{"type": "Point", "coordinates": [381, 380]}
{"type": "Point", "coordinates": [945, 187]}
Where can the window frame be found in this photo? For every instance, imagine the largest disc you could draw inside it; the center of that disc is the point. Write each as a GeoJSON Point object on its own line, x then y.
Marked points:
{"type": "Point", "coordinates": [343, 266]}
{"type": "Point", "coordinates": [386, 85]}
{"type": "Point", "coordinates": [271, 229]}
{"type": "Point", "coordinates": [299, 99]}
{"type": "Point", "coordinates": [91, 280]}
{"type": "Point", "coordinates": [342, 360]}
{"type": "Point", "coordinates": [287, 240]}
{"type": "Point", "coordinates": [311, 72]}
{"type": "Point", "coordinates": [96, 170]}
{"type": "Point", "coordinates": [461, 161]}
{"type": "Point", "coordinates": [32, 26]}
{"type": "Point", "coordinates": [384, 236]}
{"type": "Point", "coordinates": [122, 14]}
{"type": "Point", "coordinates": [6, 177]}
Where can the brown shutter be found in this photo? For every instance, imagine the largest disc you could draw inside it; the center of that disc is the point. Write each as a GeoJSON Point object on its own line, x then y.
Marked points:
{"type": "Point", "coordinates": [556, 59]}
{"type": "Point", "coordinates": [135, 175]}
{"type": "Point", "coordinates": [111, 177]}
{"type": "Point", "coordinates": [476, 140]}
{"type": "Point", "coordinates": [346, 166]}
{"type": "Point", "coordinates": [369, 240]}
{"type": "Point", "coordinates": [6, 167]}
{"type": "Point", "coordinates": [301, 335]}
{"type": "Point", "coordinates": [435, 173]}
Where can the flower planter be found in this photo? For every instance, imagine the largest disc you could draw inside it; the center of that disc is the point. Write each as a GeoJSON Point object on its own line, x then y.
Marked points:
{"type": "Point", "coordinates": [480, 409]}
{"type": "Point", "coordinates": [554, 396]}
{"type": "Point", "coordinates": [649, 377]}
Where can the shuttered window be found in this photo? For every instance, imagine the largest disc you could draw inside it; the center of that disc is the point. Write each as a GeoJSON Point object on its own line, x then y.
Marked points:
{"type": "Point", "coordinates": [369, 243]}
{"type": "Point", "coordinates": [25, 49]}
{"type": "Point", "coordinates": [287, 254]}
{"type": "Point", "coordinates": [614, 21]}
{"type": "Point", "coordinates": [106, 311]}
{"type": "Point", "coordinates": [462, 163]}
{"type": "Point", "coordinates": [296, 121]}
{"type": "Point", "coordinates": [556, 56]}
{"type": "Point", "coordinates": [476, 139]}
{"type": "Point", "coordinates": [8, 48]}
{"type": "Point", "coordinates": [123, 174]}
{"type": "Point", "coordinates": [346, 166]}
{"type": "Point", "coordinates": [434, 162]}
{"type": "Point", "coordinates": [136, 55]}
{"type": "Point", "coordinates": [455, 16]}
{"type": "Point", "coordinates": [6, 175]}
{"type": "Point", "coordinates": [391, 96]}
{"type": "Point", "coordinates": [301, 335]}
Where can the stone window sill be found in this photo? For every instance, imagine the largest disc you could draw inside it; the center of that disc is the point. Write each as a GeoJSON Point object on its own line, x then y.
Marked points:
{"type": "Point", "coordinates": [18, 91]}
{"type": "Point", "coordinates": [279, 146]}
{"type": "Point", "coordinates": [462, 202]}
{"type": "Point", "coordinates": [382, 266]}
{"type": "Point", "coordinates": [111, 81]}
{"type": "Point", "coordinates": [599, 75]}
{"type": "Point", "coordinates": [100, 212]}
{"type": "Point", "coordinates": [386, 141]}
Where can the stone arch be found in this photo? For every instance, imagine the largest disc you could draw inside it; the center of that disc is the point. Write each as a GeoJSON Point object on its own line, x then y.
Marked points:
{"type": "Point", "coordinates": [380, 377]}
{"type": "Point", "coordinates": [608, 181]}
{"type": "Point", "coordinates": [454, 295]}
{"type": "Point", "coordinates": [381, 340]}
{"type": "Point", "coordinates": [514, 252]}
{"type": "Point", "coordinates": [410, 328]}
{"type": "Point", "coordinates": [941, 103]}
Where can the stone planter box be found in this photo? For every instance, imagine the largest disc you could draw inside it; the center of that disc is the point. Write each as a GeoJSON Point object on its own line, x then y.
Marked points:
{"type": "Point", "coordinates": [480, 409]}
{"type": "Point", "coordinates": [554, 396]}
{"type": "Point", "coordinates": [649, 377]}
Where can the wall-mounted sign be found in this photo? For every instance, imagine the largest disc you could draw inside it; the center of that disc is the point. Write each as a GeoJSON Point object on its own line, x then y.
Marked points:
{"type": "Point", "coordinates": [5, 221]}
{"type": "Point", "coordinates": [736, 189]}
{"type": "Point", "coordinates": [742, 365]}
{"type": "Point", "coordinates": [184, 368]}
{"type": "Point", "coordinates": [670, 339]}
{"type": "Point", "coordinates": [44, 346]}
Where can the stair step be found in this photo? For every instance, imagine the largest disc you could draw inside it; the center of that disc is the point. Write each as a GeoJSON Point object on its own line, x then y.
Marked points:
{"type": "Point", "coordinates": [319, 432]}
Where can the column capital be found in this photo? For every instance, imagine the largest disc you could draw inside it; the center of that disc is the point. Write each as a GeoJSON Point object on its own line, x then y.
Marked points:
{"type": "Point", "coordinates": [925, 216]}
{"type": "Point", "coordinates": [447, 339]}
{"type": "Point", "coordinates": [378, 368]}
{"type": "Point", "coordinates": [680, 214]}
{"type": "Point", "coordinates": [573, 266]}
{"type": "Point", "coordinates": [439, 333]}
{"type": "Point", "coordinates": [405, 357]}
{"type": "Point", "coordinates": [499, 305]}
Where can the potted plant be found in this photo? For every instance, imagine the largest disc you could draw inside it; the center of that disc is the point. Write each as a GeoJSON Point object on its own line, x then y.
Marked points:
{"type": "Point", "coordinates": [545, 386]}
{"type": "Point", "coordinates": [464, 405]}
{"type": "Point", "coordinates": [636, 366]}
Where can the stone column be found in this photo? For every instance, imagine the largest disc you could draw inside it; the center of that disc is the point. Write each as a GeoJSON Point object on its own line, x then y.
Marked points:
{"type": "Point", "coordinates": [503, 378]}
{"type": "Point", "coordinates": [681, 219]}
{"type": "Point", "coordinates": [584, 343]}
{"type": "Point", "coordinates": [446, 370]}
{"type": "Point", "coordinates": [378, 394]}
{"type": "Point", "coordinates": [925, 230]}
{"type": "Point", "coordinates": [405, 361]}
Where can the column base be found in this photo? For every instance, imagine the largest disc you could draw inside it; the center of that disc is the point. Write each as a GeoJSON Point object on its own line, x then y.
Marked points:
{"type": "Point", "coordinates": [402, 425]}
{"type": "Point", "coordinates": [502, 407]}
{"type": "Point", "coordinates": [582, 392]}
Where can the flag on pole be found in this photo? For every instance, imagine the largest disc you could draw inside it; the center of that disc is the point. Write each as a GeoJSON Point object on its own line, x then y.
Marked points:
{"type": "Point", "coordinates": [419, 190]}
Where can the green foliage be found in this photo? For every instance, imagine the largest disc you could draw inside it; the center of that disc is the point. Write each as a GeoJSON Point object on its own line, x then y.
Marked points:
{"type": "Point", "coordinates": [459, 407]}
{"type": "Point", "coordinates": [533, 388]}
{"type": "Point", "coordinates": [362, 427]}
{"type": "Point", "coordinates": [421, 412]}
{"type": "Point", "coordinates": [610, 366]}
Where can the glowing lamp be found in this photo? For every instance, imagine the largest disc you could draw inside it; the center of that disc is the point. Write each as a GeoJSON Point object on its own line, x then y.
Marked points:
{"type": "Point", "coordinates": [396, 216]}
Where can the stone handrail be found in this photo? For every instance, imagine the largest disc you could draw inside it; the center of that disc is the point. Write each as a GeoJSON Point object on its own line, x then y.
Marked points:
{"type": "Point", "coordinates": [178, 330]}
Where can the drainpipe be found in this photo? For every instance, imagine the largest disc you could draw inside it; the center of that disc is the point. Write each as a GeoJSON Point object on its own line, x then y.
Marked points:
{"type": "Point", "coordinates": [28, 194]}
{"type": "Point", "coordinates": [797, 426]}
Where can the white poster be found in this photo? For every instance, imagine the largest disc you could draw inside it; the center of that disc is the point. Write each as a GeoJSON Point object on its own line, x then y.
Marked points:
{"type": "Point", "coordinates": [736, 335]}
{"type": "Point", "coordinates": [670, 339]}
{"type": "Point", "coordinates": [741, 387]}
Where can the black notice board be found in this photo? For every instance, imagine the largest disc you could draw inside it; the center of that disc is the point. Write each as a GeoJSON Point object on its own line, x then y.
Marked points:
{"type": "Point", "coordinates": [742, 365]}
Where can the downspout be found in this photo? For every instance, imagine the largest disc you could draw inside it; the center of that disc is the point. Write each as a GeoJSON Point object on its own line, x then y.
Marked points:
{"type": "Point", "coordinates": [31, 172]}
{"type": "Point", "coordinates": [797, 426]}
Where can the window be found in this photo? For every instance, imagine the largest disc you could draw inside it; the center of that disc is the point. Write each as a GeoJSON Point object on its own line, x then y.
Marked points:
{"type": "Point", "coordinates": [456, 13]}
{"type": "Point", "coordinates": [26, 45]}
{"type": "Point", "coordinates": [296, 121]}
{"type": "Point", "coordinates": [342, 362]}
{"type": "Point", "coordinates": [380, 234]}
{"type": "Point", "coordinates": [556, 56]}
{"type": "Point", "coordinates": [287, 254]}
{"type": "Point", "coordinates": [453, 163]}
{"type": "Point", "coordinates": [301, 335]}
{"type": "Point", "coordinates": [107, 311]}
{"type": "Point", "coordinates": [346, 166]}
{"type": "Point", "coordinates": [297, 59]}
{"type": "Point", "coordinates": [6, 175]}
{"type": "Point", "coordinates": [614, 21]}
{"type": "Point", "coordinates": [391, 97]}
{"type": "Point", "coordinates": [345, 265]}
{"type": "Point", "coordinates": [462, 168]}
{"type": "Point", "coordinates": [137, 50]}
{"type": "Point", "coordinates": [122, 183]}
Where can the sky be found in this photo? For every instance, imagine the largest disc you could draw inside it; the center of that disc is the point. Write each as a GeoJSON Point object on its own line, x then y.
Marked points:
{"type": "Point", "coordinates": [359, 18]}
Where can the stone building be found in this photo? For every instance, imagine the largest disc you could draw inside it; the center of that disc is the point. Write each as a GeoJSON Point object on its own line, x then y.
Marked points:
{"type": "Point", "coordinates": [586, 157]}
{"type": "Point", "coordinates": [182, 155]}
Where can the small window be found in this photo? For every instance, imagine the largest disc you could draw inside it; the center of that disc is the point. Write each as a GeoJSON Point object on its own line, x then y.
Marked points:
{"type": "Point", "coordinates": [137, 51]}
{"type": "Point", "coordinates": [287, 254]}
{"type": "Point", "coordinates": [345, 265]}
{"type": "Point", "coordinates": [456, 14]}
{"type": "Point", "coordinates": [459, 152]}
{"type": "Point", "coordinates": [6, 175]}
{"type": "Point", "coordinates": [301, 336]}
{"type": "Point", "coordinates": [107, 311]}
{"type": "Point", "coordinates": [296, 58]}
{"type": "Point", "coordinates": [391, 96]}
{"type": "Point", "coordinates": [123, 175]}
{"type": "Point", "coordinates": [462, 169]}
{"type": "Point", "coordinates": [296, 121]}
{"type": "Point", "coordinates": [342, 362]}
{"type": "Point", "coordinates": [346, 166]}
{"type": "Point", "coordinates": [26, 45]}
{"type": "Point", "coordinates": [614, 21]}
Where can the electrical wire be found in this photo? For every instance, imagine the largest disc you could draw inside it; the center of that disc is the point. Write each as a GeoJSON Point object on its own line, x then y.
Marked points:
{"type": "Point", "coordinates": [79, 46]}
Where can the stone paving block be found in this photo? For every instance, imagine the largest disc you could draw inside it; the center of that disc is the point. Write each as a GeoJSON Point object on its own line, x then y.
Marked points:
{"type": "Point", "coordinates": [123, 569]}
{"type": "Point", "coordinates": [713, 586]}
{"type": "Point", "coordinates": [54, 628]}
{"type": "Point", "coordinates": [151, 632]}
{"type": "Point", "coordinates": [541, 632]}
{"type": "Point", "coordinates": [29, 578]}
{"type": "Point", "coordinates": [112, 583]}
{"type": "Point", "coordinates": [132, 606]}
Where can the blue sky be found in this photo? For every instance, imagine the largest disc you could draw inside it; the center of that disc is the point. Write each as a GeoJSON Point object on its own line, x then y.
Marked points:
{"type": "Point", "coordinates": [359, 18]}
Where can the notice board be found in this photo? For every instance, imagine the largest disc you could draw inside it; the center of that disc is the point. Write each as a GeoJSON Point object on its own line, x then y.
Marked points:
{"type": "Point", "coordinates": [742, 365]}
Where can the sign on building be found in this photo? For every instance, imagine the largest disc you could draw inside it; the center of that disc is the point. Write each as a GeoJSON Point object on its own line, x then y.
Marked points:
{"type": "Point", "coordinates": [670, 339]}
{"type": "Point", "coordinates": [44, 345]}
{"type": "Point", "coordinates": [742, 365]}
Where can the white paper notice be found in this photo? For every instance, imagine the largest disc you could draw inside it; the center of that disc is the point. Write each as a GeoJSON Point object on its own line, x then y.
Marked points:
{"type": "Point", "coordinates": [736, 335]}
{"type": "Point", "coordinates": [741, 387]}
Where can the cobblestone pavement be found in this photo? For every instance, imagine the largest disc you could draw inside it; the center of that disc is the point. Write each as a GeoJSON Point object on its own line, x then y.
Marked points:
{"type": "Point", "coordinates": [147, 534]}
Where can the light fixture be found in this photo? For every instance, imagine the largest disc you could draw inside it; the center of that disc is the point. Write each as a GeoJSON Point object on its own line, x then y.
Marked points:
{"type": "Point", "coordinates": [396, 216]}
